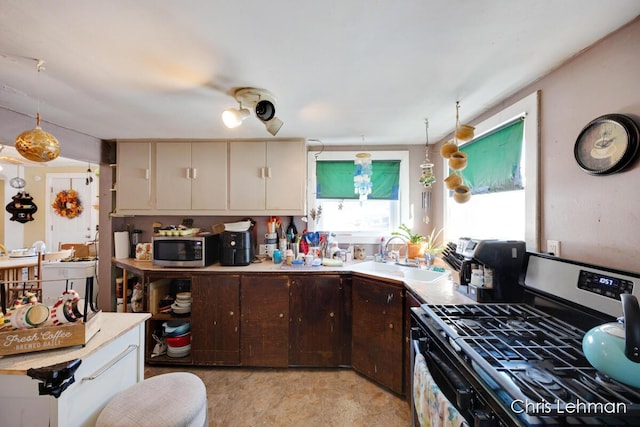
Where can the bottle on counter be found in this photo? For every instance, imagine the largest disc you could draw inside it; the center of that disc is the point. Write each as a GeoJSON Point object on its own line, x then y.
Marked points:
{"type": "Point", "coordinates": [277, 256]}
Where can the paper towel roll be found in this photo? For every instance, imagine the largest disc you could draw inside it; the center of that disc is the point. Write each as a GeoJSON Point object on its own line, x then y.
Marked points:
{"type": "Point", "coordinates": [121, 244]}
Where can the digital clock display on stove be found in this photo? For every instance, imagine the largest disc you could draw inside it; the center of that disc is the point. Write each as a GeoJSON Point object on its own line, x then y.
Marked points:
{"type": "Point", "coordinates": [607, 286]}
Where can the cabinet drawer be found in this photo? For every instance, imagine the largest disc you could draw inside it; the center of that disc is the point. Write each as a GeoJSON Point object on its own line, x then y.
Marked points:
{"type": "Point", "coordinates": [101, 376]}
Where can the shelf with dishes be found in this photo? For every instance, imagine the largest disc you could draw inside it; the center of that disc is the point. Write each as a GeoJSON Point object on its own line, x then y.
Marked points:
{"type": "Point", "coordinates": [169, 329]}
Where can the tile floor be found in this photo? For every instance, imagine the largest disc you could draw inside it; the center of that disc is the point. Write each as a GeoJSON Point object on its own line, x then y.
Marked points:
{"type": "Point", "coordinates": [295, 397]}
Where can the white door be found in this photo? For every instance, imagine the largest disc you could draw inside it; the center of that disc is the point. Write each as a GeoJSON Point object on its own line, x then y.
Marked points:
{"type": "Point", "coordinates": [62, 229]}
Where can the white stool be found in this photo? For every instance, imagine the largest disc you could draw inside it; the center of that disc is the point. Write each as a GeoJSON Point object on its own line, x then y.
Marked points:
{"type": "Point", "coordinates": [174, 399]}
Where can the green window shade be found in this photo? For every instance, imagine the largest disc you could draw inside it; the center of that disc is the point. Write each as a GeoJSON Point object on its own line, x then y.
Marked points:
{"type": "Point", "coordinates": [494, 160]}
{"type": "Point", "coordinates": [334, 179]}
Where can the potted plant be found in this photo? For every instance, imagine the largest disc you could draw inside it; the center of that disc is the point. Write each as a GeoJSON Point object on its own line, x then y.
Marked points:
{"type": "Point", "coordinates": [414, 241]}
{"type": "Point", "coordinates": [418, 244]}
{"type": "Point", "coordinates": [431, 247]}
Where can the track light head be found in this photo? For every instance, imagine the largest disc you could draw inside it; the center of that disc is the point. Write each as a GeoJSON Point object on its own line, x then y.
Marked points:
{"type": "Point", "coordinates": [233, 117]}
{"type": "Point", "coordinates": [273, 125]}
{"type": "Point", "coordinates": [261, 101]}
{"type": "Point", "coordinates": [265, 110]}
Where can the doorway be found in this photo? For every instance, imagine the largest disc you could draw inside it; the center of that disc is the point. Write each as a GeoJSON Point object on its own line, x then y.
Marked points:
{"type": "Point", "coordinates": [68, 228]}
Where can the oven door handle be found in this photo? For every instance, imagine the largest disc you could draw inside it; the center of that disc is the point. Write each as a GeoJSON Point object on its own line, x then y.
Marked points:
{"type": "Point", "coordinates": [464, 393]}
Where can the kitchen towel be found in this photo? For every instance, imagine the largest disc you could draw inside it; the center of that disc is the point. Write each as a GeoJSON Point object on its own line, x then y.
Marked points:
{"type": "Point", "coordinates": [121, 244]}
{"type": "Point", "coordinates": [432, 406]}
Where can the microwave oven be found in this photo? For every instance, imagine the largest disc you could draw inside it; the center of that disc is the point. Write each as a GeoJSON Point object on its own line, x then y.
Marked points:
{"type": "Point", "coordinates": [186, 251]}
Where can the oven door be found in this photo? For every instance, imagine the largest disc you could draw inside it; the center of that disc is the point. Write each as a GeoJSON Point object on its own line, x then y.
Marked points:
{"type": "Point", "coordinates": [441, 383]}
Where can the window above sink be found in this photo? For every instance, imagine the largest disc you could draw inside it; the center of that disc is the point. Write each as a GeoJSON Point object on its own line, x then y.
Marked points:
{"type": "Point", "coordinates": [361, 222]}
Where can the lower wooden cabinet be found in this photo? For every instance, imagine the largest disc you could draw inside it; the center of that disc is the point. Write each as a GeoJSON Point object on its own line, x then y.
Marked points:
{"type": "Point", "coordinates": [264, 333]}
{"type": "Point", "coordinates": [377, 342]}
{"type": "Point", "coordinates": [215, 320]}
{"type": "Point", "coordinates": [320, 332]}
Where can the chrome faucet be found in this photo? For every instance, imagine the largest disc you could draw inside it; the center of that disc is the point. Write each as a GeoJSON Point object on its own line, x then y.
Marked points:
{"type": "Point", "coordinates": [406, 247]}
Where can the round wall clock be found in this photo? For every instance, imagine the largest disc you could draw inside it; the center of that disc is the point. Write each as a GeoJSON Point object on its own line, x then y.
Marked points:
{"type": "Point", "coordinates": [607, 144]}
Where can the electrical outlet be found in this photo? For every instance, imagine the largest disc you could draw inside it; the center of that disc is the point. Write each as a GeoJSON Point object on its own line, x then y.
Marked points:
{"type": "Point", "coordinates": [553, 246]}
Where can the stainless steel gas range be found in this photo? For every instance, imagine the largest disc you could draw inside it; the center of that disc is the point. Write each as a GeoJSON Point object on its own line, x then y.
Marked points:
{"type": "Point", "coordinates": [509, 364]}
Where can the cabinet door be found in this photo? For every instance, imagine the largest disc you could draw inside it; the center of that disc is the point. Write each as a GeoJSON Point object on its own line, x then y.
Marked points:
{"type": "Point", "coordinates": [264, 334]}
{"type": "Point", "coordinates": [133, 190]}
{"type": "Point", "coordinates": [377, 341]}
{"type": "Point", "coordinates": [286, 175]}
{"type": "Point", "coordinates": [215, 320]}
{"type": "Point", "coordinates": [316, 321]}
{"type": "Point", "coordinates": [173, 182]}
{"type": "Point", "coordinates": [209, 176]}
{"type": "Point", "coordinates": [247, 175]}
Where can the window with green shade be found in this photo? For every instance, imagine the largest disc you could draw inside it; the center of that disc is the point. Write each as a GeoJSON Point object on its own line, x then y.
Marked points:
{"type": "Point", "coordinates": [334, 179]}
{"type": "Point", "coordinates": [494, 160]}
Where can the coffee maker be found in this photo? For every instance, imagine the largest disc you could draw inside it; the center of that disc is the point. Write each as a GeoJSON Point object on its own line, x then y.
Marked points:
{"type": "Point", "coordinates": [487, 270]}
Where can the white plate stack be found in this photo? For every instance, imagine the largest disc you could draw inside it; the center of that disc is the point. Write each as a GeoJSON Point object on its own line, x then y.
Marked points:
{"type": "Point", "coordinates": [182, 304]}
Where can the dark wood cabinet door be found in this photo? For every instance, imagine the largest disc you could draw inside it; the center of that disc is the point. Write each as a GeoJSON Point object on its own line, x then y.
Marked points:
{"type": "Point", "coordinates": [377, 341]}
{"type": "Point", "coordinates": [317, 327]}
{"type": "Point", "coordinates": [215, 320]}
{"type": "Point", "coordinates": [264, 330]}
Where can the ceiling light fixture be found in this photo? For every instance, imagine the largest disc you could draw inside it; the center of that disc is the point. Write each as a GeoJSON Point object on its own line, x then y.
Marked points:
{"type": "Point", "coordinates": [36, 144]}
{"type": "Point", "coordinates": [261, 101]}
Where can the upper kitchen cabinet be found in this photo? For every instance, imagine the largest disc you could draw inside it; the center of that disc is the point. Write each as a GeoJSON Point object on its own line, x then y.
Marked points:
{"type": "Point", "coordinates": [191, 176]}
{"type": "Point", "coordinates": [267, 176]}
{"type": "Point", "coordinates": [133, 182]}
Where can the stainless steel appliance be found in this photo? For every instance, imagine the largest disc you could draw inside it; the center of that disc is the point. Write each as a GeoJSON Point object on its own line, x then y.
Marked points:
{"type": "Point", "coordinates": [522, 363]}
{"type": "Point", "coordinates": [486, 270]}
{"type": "Point", "coordinates": [186, 251]}
{"type": "Point", "coordinates": [237, 248]}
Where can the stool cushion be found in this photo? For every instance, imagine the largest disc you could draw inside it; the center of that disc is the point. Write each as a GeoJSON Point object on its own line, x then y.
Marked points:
{"type": "Point", "coordinates": [174, 399]}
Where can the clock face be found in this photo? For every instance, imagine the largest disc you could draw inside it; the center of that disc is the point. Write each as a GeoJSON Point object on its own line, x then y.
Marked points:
{"type": "Point", "coordinates": [605, 145]}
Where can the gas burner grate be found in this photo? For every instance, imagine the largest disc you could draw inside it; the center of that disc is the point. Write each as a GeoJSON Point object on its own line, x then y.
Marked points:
{"type": "Point", "coordinates": [528, 353]}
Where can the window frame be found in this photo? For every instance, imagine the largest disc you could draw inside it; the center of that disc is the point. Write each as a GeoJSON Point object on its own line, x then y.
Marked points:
{"type": "Point", "coordinates": [529, 106]}
{"type": "Point", "coordinates": [403, 191]}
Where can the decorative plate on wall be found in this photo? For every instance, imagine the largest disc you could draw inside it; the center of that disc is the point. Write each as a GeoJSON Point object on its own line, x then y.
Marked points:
{"type": "Point", "coordinates": [607, 144]}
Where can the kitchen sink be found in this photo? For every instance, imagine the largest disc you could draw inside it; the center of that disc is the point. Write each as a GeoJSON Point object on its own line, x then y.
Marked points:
{"type": "Point", "coordinates": [397, 271]}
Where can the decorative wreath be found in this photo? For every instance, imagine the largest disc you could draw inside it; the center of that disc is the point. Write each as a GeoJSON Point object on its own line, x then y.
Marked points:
{"type": "Point", "coordinates": [67, 204]}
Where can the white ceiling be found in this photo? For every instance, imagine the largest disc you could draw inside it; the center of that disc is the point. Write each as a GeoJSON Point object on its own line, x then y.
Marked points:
{"type": "Point", "coordinates": [343, 71]}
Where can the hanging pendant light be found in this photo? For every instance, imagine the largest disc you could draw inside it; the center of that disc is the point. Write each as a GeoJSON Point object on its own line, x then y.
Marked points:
{"type": "Point", "coordinates": [428, 177]}
{"type": "Point", "coordinates": [36, 144]}
{"type": "Point", "coordinates": [362, 176]}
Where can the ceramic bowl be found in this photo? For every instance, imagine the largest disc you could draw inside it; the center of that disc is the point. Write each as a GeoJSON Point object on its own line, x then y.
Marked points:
{"type": "Point", "coordinates": [448, 148]}
{"type": "Point", "coordinates": [461, 194]}
{"type": "Point", "coordinates": [176, 327]}
{"type": "Point", "coordinates": [183, 296]}
{"type": "Point", "coordinates": [458, 160]}
{"type": "Point", "coordinates": [179, 351]}
{"type": "Point", "coordinates": [179, 341]}
{"type": "Point", "coordinates": [452, 181]}
{"type": "Point", "coordinates": [180, 310]}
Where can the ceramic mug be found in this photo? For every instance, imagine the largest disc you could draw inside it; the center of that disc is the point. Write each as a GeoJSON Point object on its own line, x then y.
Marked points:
{"type": "Point", "coordinates": [29, 316]}
{"type": "Point", "coordinates": [62, 310]}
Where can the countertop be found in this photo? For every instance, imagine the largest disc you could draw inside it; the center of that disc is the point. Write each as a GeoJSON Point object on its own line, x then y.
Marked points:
{"type": "Point", "coordinates": [112, 325]}
{"type": "Point", "coordinates": [441, 291]}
